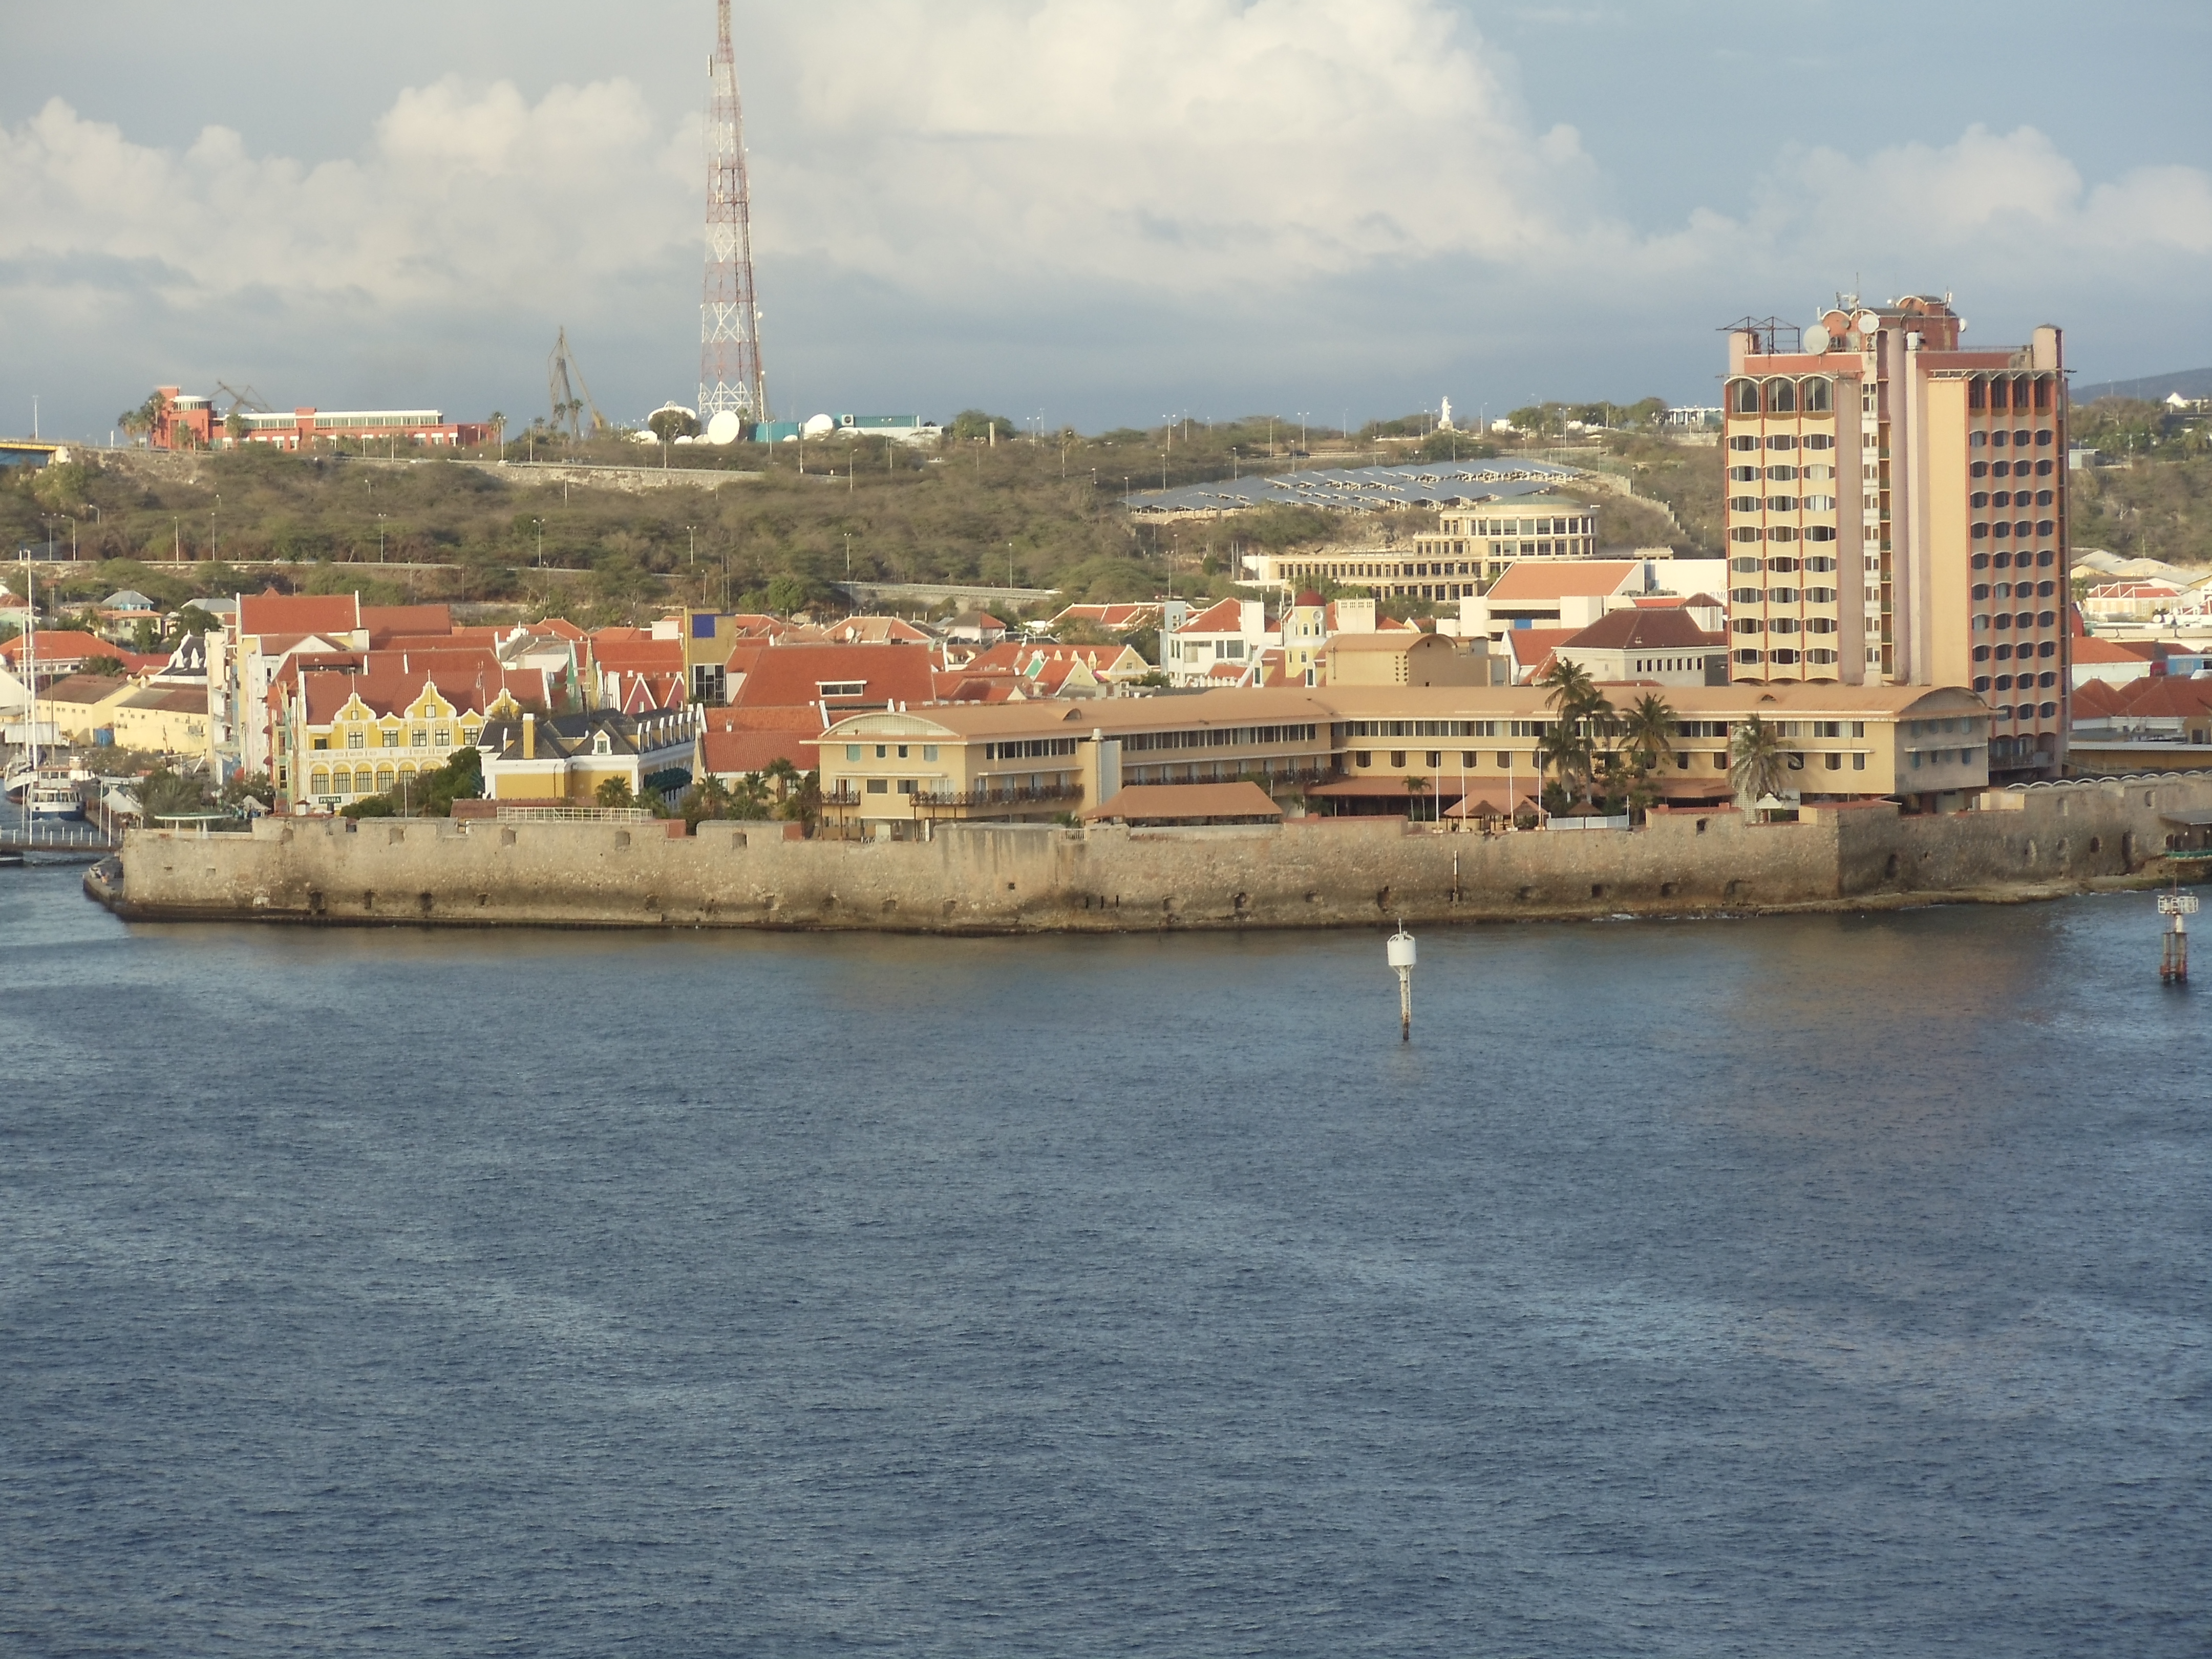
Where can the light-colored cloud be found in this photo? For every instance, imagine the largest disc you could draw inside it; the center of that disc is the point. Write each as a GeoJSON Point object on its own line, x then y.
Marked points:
{"type": "Point", "coordinates": [1195, 141]}
{"type": "Point", "coordinates": [461, 192]}
{"type": "Point", "coordinates": [1255, 173]}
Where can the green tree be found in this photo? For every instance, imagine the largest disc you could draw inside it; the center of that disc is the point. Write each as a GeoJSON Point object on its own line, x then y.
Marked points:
{"type": "Point", "coordinates": [101, 664]}
{"type": "Point", "coordinates": [613, 793]}
{"type": "Point", "coordinates": [1648, 738]}
{"type": "Point", "coordinates": [1571, 745]}
{"type": "Point", "coordinates": [1564, 751]}
{"type": "Point", "coordinates": [669, 424]}
{"type": "Point", "coordinates": [980, 423]}
{"type": "Point", "coordinates": [790, 594]}
{"type": "Point", "coordinates": [244, 786]}
{"type": "Point", "coordinates": [1757, 762]}
{"type": "Point", "coordinates": [166, 794]}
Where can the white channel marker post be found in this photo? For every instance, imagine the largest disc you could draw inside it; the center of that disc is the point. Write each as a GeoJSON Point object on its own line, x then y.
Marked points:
{"type": "Point", "coordinates": [2174, 960]}
{"type": "Point", "coordinates": [1399, 951]}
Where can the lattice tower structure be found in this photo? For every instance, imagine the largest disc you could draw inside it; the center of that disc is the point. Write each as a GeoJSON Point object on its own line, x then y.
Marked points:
{"type": "Point", "coordinates": [731, 377]}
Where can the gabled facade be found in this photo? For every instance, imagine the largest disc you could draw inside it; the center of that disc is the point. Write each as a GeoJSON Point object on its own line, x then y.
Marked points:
{"type": "Point", "coordinates": [1229, 633]}
{"type": "Point", "coordinates": [562, 761]}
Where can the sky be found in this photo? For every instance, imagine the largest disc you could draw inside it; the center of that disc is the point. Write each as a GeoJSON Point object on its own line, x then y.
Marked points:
{"type": "Point", "coordinates": [1078, 213]}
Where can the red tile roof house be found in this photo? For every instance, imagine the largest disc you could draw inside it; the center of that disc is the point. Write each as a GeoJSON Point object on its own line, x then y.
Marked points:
{"type": "Point", "coordinates": [53, 653]}
{"type": "Point", "coordinates": [2160, 723]}
{"type": "Point", "coordinates": [420, 706]}
{"type": "Point", "coordinates": [836, 680]}
{"type": "Point", "coordinates": [1231, 632]}
{"type": "Point", "coordinates": [265, 630]}
{"type": "Point", "coordinates": [2113, 661]}
{"type": "Point", "coordinates": [1569, 593]}
{"type": "Point", "coordinates": [1116, 665]}
{"type": "Point", "coordinates": [1113, 618]}
{"type": "Point", "coordinates": [1650, 647]}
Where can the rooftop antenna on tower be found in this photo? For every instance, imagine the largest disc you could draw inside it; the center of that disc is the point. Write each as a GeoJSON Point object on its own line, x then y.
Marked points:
{"type": "Point", "coordinates": [731, 381]}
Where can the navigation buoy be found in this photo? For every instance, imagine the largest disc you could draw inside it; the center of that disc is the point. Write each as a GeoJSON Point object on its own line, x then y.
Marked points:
{"type": "Point", "coordinates": [1399, 948]}
{"type": "Point", "coordinates": [2173, 961]}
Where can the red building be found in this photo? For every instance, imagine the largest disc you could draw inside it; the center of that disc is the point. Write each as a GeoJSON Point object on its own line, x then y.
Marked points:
{"type": "Point", "coordinates": [188, 422]}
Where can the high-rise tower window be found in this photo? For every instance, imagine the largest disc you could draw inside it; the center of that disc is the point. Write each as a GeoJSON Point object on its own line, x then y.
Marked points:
{"type": "Point", "coordinates": [1818, 398]}
{"type": "Point", "coordinates": [1782, 397]}
{"type": "Point", "coordinates": [1743, 396]}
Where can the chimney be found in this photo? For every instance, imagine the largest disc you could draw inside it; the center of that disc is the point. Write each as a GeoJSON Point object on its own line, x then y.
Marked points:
{"type": "Point", "coordinates": [529, 736]}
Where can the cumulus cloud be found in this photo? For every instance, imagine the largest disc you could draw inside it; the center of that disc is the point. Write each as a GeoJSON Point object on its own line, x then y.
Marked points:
{"type": "Point", "coordinates": [463, 190]}
{"type": "Point", "coordinates": [1200, 142]}
{"type": "Point", "coordinates": [1348, 183]}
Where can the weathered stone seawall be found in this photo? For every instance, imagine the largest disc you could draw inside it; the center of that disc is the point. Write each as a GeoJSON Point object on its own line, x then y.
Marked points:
{"type": "Point", "coordinates": [1009, 878]}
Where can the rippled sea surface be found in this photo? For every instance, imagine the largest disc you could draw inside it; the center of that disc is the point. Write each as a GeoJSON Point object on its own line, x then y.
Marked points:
{"type": "Point", "coordinates": [1823, 1285]}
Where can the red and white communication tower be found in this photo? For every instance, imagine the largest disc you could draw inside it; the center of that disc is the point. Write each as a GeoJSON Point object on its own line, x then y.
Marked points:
{"type": "Point", "coordinates": [730, 379]}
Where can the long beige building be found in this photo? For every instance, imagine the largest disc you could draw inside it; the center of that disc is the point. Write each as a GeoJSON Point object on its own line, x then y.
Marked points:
{"type": "Point", "coordinates": [1370, 749]}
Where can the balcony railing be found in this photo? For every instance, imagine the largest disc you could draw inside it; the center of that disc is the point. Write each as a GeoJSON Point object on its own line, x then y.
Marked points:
{"type": "Point", "coordinates": [1044, 794]}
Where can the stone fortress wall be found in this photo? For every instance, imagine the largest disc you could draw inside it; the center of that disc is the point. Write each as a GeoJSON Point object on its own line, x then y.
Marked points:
{"type": "Point", "coordinates": [1018, 879]}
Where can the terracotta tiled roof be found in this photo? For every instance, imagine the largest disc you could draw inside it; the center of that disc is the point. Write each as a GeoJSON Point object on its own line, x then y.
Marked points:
{"type": "Point", "coordinates": [2091, 649]}
{"type": "Point", "coordinates": [1643, 631]}
{"type": "Point", "coordinates": [877, 631]}
{"type": "Point", "coordinates": [1119, 618]}
{"type": "Point", "coordinates": [735, 753]}
{"type": "Point", "coordinates": [639, 655]}
{"type": "Point", "coordinates": [2161, 696]}
{"type": "Point", "coordinates": [55, 646]}
{"type": "Point", "coordinates": [83, 688]}
{"type": "Point", "coordinates": [387, 622]}
{"type": "Point", "coordinates": [1534, 581]}
{"type": "Point", "coordinates": [2097, 699]}
{"type": "Point", "coordinates": [299, 613]}
{"type": "Point", "coordinates": [390, 681]}
{"type": "Point", "coordinates": [792, 676]}
{"type": "Point", "coordinates": [1222, 616]}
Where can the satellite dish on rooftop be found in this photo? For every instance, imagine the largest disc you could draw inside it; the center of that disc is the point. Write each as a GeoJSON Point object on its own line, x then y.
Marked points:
{"type": "Point", "coordinates": [724, 427]}
{"type": "Point", "coordinates": [1816, 339]}
{"type": "Point", "coordinates": [1868, 323]}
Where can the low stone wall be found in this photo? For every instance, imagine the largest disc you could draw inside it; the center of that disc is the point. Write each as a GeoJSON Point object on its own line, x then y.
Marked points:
{"type": "Point", "coordinates": [1012, 878]}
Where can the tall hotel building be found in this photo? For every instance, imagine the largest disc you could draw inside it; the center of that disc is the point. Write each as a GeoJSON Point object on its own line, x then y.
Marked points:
{"type": "Point", "coordinates": [1897, 516]}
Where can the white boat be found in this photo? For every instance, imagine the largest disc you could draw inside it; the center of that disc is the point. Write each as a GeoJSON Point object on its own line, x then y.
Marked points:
{"type": "Point", "coordinates": [53, 797]}
{"type": "Point", "coordinates": [21, 779]}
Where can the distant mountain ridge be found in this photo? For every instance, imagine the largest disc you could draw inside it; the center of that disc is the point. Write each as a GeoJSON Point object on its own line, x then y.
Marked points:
{"type": "Point", "coordinates": [2151, 388]}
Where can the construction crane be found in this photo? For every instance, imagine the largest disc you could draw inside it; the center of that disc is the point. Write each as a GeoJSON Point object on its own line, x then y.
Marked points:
{"type": "Point", "coordinates": [248, 399]}
{"type": "Point", "coordinates": [564, 380]}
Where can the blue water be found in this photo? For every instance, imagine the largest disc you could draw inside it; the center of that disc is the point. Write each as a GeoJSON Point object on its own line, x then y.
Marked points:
{"type": "Point", "coordinates": [1820, 1286]}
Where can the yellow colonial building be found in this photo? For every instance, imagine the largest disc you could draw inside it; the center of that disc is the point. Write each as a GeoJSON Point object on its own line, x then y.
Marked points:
{"type": "Point", "coordinates": [562, 761]}
{"type": "Point", "coordinates": [346, 736]}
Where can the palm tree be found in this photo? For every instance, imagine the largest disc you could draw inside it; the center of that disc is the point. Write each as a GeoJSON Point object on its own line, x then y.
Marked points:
{"type": "Point", "coordinates": [1648, 729]}
{"type": "Point", "coordinates": [1581, 707]}
{"type": "Point", "coordinates": [1570, 687]}
{"type": "Point", "coordinates": [1759, 761]}
{"type": "Point", "coordinates": [1418, 787]}
{"type": "Point", "coordinates": [1648, 732]}
{"type": "Point", "coordinates": [1564, 750]}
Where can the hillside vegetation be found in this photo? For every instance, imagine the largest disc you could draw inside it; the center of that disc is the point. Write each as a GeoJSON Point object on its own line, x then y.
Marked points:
{"type": "Point", "coordinates": [2153, 497]}
{"type": "Point", "coordinates": [987, 507]}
